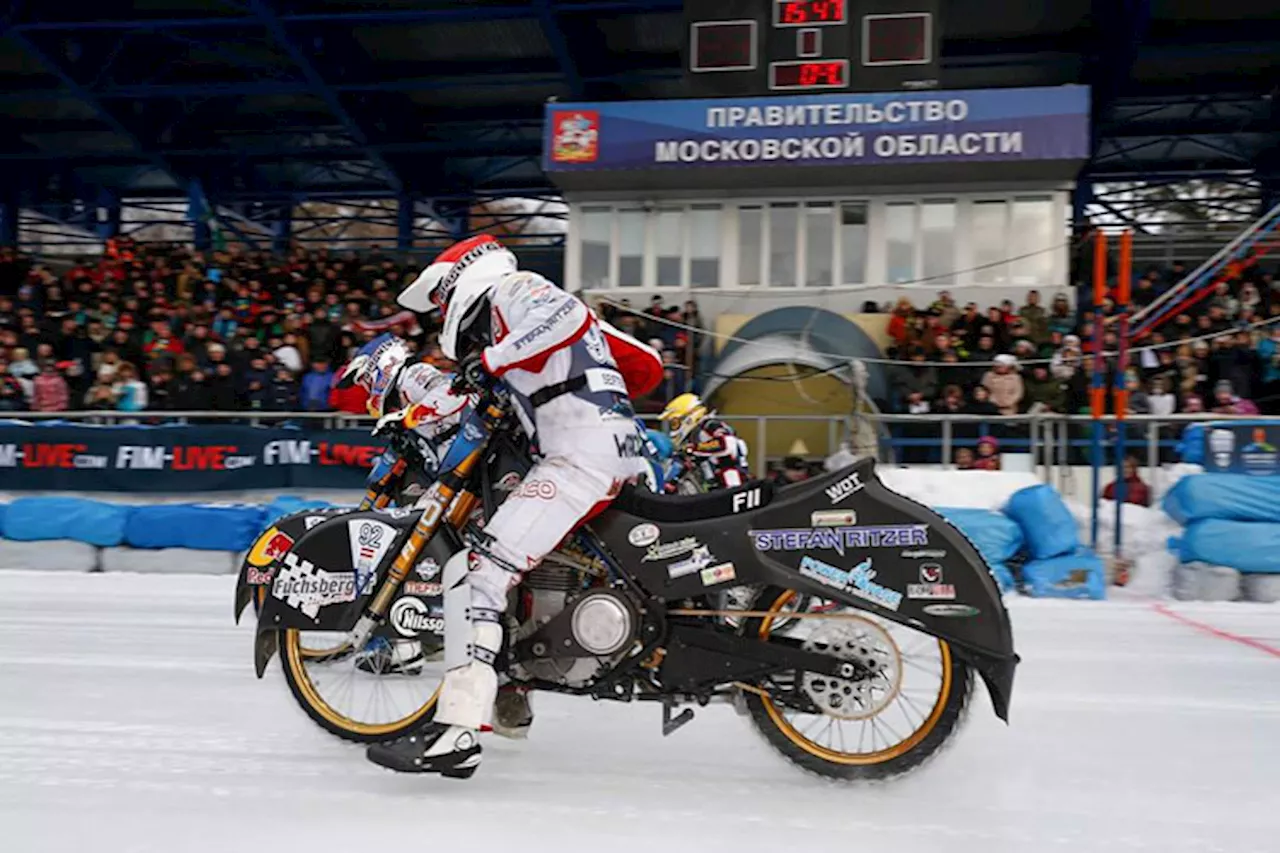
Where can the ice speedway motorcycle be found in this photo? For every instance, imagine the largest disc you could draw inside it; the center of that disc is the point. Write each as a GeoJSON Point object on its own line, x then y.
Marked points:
{"type": "Point", "coordinates": [855, 657]}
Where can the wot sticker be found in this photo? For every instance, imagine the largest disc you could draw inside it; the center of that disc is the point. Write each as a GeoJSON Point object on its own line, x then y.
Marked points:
{"type": "Point", "coordinates": [839, 538]}
{"type": "Point", "coordinates": [951, 610]}
{"type": "Point", "coordinates": [931, 586]}
{"type": "Point", "coordinates": [858, 581]}
{"type": "Point", "coordinates": [722, 573]}
{"type": "Point", "coordinates": [658, 552]}
{"type": "Point", "coordinates": [643, 535]}
{"type": "Point", "coordinates": [848, 486]}
{"type": "Point", "coordinates": [695, 562]}
{"type": "Point", "coordinates": [834, 518]}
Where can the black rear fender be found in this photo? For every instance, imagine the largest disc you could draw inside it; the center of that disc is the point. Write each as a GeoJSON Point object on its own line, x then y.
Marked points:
{"type": "Point", "coordinates": [842, 536]}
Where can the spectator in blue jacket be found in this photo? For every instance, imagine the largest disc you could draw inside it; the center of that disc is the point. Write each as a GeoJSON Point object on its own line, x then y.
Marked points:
{"type": "Point", "coordinates": [315, 386]}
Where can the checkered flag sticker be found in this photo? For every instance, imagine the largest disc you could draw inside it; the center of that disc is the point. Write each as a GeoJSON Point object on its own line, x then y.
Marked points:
{"type": "Point", "coordinates": [306, 588]}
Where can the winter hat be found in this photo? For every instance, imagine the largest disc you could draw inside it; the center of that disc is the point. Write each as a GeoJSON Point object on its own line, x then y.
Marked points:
{"type": "Point", "coordinates": [1006, 360]}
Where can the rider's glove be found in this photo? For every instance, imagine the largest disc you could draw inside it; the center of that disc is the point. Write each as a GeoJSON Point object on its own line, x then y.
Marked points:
{"type": "Point", "coordinates": [389, 423]}
{"type": "Point", "coordinates": [471, 374]}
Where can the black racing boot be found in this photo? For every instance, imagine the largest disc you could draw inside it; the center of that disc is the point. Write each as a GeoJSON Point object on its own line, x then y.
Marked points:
{"type": "Point", "coordinates": [397, 657]}
{"type": "Point", "coordinates": [451, 751]}
{"type": "Point", "coordinates": [512, 715]}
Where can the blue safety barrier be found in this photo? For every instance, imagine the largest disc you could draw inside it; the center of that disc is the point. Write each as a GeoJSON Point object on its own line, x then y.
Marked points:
{"type": "Point", "coordinates": [204, 527]}
{"type": "Point", "coordinates": [1077, 575]}
{"type": "Point", "coordinates": [997, 537]}
{"type": "Point", "coordinates": [1251, 547]}
{"type": "Point", "coordinates": [1236, 497]}
{"type": "Point", "coordinates": [1047, 524]}
{"type": "Point", "coordinates": [77, 519]}
{"type": "Point", "coordinates": [288, 505]}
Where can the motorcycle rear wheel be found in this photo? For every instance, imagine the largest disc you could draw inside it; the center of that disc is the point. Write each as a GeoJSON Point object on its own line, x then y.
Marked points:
{"type": "Point", "coordinates": [295, 660]}
{"type": "Point", "coordinates": [937, 721]}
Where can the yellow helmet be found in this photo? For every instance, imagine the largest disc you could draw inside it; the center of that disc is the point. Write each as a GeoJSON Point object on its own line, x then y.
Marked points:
{"type": "Point", "coordinates": [682, 416]}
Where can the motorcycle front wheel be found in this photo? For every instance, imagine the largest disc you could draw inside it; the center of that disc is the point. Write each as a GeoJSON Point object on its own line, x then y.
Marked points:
{"type": "Point", "coordinates": [362, 697]}
{"type": "Point", "coordinates": [875, 727]}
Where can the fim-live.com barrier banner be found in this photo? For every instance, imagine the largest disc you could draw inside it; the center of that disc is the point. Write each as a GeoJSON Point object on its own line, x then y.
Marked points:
{"type": "Point", "coordinates": [984, 125]}
{"type": "Point", "coordinates": [182, 458]}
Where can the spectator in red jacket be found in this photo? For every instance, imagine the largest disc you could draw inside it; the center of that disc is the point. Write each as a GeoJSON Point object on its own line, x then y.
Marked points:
{"type": "Point", "coordinates": [1135, 491]}
{"type": "Point", "coordinates": [49, 390]}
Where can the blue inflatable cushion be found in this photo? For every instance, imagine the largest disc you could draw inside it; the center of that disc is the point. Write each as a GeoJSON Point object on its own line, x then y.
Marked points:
{"type": "Point", "coordinates": [79, 519]}
{"type": "Point", "coordinates": [204, 527]}
{"type": "Point", "coordinates": [1251, 547]}
{"type": "Point", "coordinates": [1047, 524]}
{"type": "Point", "coordinates": [1078, 575]}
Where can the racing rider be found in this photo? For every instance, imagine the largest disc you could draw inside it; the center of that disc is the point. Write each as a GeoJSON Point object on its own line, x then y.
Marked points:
{"type": "Point", "coordinates": [707, 442]}
{"type": "Point", "coordinates": [403, 390]}
{"type": "Point", "coordinates": [571, 377]}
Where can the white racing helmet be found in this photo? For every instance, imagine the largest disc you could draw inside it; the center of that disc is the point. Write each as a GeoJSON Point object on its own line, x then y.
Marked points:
{"type": "Point", "coordinates": [457, 284]}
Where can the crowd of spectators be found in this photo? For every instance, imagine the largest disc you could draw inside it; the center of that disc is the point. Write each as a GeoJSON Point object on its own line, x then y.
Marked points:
{"type": "Point", "coordinates": [166, 328]}
{"type": "Point", "coordinates": [1219, 355]}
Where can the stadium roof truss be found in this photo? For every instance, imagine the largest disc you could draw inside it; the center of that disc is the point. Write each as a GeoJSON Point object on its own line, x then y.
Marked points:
{"type": "Point", "coordinates": [265, 104]}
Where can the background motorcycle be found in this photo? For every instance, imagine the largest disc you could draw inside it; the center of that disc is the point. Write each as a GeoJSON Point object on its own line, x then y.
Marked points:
{"type": "Point", "coordinates": [860, 591]}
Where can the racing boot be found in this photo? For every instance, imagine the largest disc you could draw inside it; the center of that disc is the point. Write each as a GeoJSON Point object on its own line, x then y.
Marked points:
{"type": "Point", "coordinates": [450, 745]}
{"type": "Point", "coordinates": [512, 715]}
{"type": "Point", "coordinates": [394, 657]}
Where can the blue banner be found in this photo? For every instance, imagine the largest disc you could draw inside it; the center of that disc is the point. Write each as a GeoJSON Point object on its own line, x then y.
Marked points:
{"type": "Point", "coordinates": [182, 458]}
{"type": "Point", "coordinates": [984, 125]}
{"type": "Point", "coordinates": [1241, 447]}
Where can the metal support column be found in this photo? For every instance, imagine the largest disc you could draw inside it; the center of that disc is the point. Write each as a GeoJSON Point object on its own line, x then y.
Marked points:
{"type": "Point", "coordinates": [9, 213]}
{"type": "Point", "coordinates": [1097, 389]}
{"type": "Point", "coordinates": [404, 223]}
{"type": "Point", "coordinates": [110, 214]}
{"type": "Point", "coordinates": [282, 229]}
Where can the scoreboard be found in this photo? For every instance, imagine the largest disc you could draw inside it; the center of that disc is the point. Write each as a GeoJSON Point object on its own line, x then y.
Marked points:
{"type": "Point", "coordinates": [743, 48]}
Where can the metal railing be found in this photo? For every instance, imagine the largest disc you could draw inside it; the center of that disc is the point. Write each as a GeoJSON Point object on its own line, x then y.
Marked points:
{"type": "Point", "coordinates": [1052, 441]}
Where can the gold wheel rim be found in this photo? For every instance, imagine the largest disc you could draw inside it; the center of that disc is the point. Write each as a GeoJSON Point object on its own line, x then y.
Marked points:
{"type": "Point", "coordinates": [817, 750]}
{"type": "Point", "coordinates": [295, 654]}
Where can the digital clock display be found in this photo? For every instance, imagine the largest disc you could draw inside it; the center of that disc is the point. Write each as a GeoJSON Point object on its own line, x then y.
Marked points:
{"type": "Point", "coordinates": [808, 13]}
{"type": "Point", "coordinates": [804, 76]}
{"type": "Point", "coordinates": [905, 39]}
{"type": "Point", "coordinates": [723, 46]}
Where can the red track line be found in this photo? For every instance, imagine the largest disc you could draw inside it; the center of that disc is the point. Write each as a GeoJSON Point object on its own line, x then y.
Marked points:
{"type": "Point", "coordinates": [1217, 632]}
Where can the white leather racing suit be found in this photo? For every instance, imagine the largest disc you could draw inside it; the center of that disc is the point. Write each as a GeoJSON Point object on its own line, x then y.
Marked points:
{"type": "Point", "coordinates": [430, 407]}
{"type": "Point", "coordinates": [571, 399]}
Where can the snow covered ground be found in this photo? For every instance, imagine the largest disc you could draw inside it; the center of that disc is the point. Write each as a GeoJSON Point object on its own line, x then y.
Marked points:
{"type": "Point", "coordinates": [131, 721]}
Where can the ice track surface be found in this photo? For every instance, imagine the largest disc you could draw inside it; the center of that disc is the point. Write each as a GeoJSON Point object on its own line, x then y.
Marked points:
{"type": "Point", "coordinates": [131, 721]}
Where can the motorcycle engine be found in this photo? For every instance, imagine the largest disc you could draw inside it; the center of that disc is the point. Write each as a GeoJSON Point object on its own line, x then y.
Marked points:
{"type": "Point", "coordinates": [602, 621]}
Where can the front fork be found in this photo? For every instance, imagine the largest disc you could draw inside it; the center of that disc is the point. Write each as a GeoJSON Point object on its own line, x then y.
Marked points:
{"type": "Point", "coordinates": [446, 494]}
